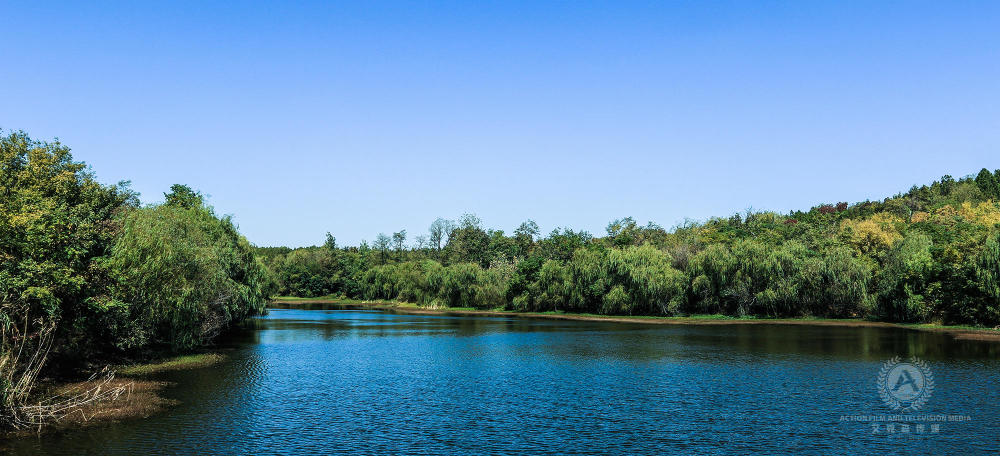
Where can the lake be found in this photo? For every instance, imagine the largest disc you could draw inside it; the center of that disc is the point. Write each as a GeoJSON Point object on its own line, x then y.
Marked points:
{"type": "Point", "coordinates": [328, 379]}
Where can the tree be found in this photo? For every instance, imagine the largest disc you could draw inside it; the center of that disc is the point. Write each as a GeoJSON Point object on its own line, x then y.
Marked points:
{"type": "Point", "coordinates": [947, 185]}
{"type": "Point", "coordinates": [835, 284]}
{"type": "Point", "coordinates": [987, 183]}
{"type": "Point", "coordinates": [917, 256]}
{"type": "Point", "coordinates": [309, 272]}
{"type": "Point", "coordinates": [528, 229]}
{"type": "Point", "coordinates": [560, 245]}
{"type": "Point", "coordinates": [871, 236]}
{"type": "Point", "coordinates": [398, 239]}
{"type": "Point", "coordinates": [469, 243]}
{"type": "Point", "coordinates": [183, 275]}
{"type": "Point", "coordinates": [553, 286]}
{"type": "Point", "coordinates": [382, 243]}
{"type": "Point", "coordinates": [470, 221]}
{"type": "Point", "coordinates": [458, 284]}
{"type": "Point", "coordinates": [524, 237]}
{"type": "Point", "coordinates": [183, 196]}
{"type": "Point", "coordinates": [903, 281]}
{"type": "Point", "coordinates": [646, 277]}
{"type": "Point", "coordinates": [440, 232]}
{"type": "Point", "coordinates": [988, 275]}
{"type": "Point", "coordinates": [622, 232]}
{"type": "Point", "coordinates": [57, 225]}
{"type": "Point", "coordinates": [588, 271]}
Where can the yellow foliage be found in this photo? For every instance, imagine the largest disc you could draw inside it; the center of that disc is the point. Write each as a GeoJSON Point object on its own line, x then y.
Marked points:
{"type": "Point", "coordinates": [876, 233]}
{"type": "Point", "coordinates": [986, 213]}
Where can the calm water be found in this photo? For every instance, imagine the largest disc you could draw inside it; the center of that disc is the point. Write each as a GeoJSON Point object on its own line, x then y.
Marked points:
{"type": "Point", "coordinates": [370, 382]}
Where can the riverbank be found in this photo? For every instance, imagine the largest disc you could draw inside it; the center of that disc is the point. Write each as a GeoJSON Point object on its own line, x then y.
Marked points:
{"type": "Point", "coordinates": [958, 332]}
{"type": "Point", "coordinates": [124, 392]}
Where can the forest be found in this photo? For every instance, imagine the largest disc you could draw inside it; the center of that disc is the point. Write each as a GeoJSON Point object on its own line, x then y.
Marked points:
{"type": "Point", "coordinates": [89, 276]}
{"type": "Point", "coordinates": [931, 254]}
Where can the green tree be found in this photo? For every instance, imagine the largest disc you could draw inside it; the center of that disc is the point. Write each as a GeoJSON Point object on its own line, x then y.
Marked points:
{"type": "Point", "coordinates": [903, 280]}
{"type": "Point", "coordinates": [987, 183]}
{"type": "Point", "coordinates": [382, 243]}
{"type": "Point", "coordinates": [183, 196]}
{"type": "Point", "coordinates": [553, 286]}
{"type": "Point", "coordinates": [439, 233]}
{"type": "Point", "coordinates": [590, 281]}
{"type": "Point", "coordinates": [57, 224]}
{"type": "Point", "coordinates": [836, 284]}
{"type": "Point", "coordinates": [645, 275]}
{"type": "Point", "coordinates": [988, 275]}
{"type": "Point", "coordinates": [398, 241]}
{"type": "Point", "coordinates": [469, 242]}
{"type": "Point", "coordinates": [182, 275]}
{"type": "Point", "coordinates": [623, 232]}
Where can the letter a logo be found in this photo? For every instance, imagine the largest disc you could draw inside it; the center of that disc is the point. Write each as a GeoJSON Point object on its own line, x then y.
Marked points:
{"type": "Point", "coordinates": [906, 379]}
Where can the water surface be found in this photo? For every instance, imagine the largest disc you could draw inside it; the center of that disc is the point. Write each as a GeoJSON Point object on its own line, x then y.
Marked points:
{"type": "Point", "coordinates": [350, 381]}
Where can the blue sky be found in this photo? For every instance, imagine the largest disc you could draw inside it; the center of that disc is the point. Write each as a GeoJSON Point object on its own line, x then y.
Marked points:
{"type": "Point", "coordinates": [357, 118]}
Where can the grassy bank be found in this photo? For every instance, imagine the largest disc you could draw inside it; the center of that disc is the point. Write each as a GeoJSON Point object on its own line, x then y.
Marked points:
{"type": "Point", "coordinates": [177, 363]}
{"type": "Point", "coordinates": [123, 392]}
{"type": "Point", "coordinates": [958, 332]}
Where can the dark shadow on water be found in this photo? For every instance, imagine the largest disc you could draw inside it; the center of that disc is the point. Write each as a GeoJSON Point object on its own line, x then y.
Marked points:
{"type": "Point", "coordinates": [321, 379]}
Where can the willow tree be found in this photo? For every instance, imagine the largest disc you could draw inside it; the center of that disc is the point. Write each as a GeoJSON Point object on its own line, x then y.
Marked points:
{"type": "Point", "coordinates": [988, 273]}
{"type": "Point", "coordinates": [645, 282]}
{"type": "Point", "coordinates": [182, 274]}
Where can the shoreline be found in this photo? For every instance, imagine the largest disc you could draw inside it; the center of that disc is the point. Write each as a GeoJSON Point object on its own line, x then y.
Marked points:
{"type": "Point", "coordinates": [132, 393]}
{"type": "Point", "coordinates": [957, 332]}
{"type": "Point", "coordinates": [141, 398]}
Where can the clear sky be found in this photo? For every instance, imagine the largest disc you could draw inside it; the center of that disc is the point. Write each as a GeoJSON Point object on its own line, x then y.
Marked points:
{"type": "Point", "coordinates": [363, 117]}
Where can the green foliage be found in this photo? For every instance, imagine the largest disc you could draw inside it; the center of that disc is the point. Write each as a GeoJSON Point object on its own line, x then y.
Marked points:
{"type": "Point", "coordinates": [182, 275]}
{"type": "Point", "coordinates": [903, 280]}
{"type": "Point", "coordinates": [86, 274]}
{"type": "Point", "coordinates": [712, 272]}
{"type": "Point", "coordinates": [552, 287]}
{"type": "Point", "coordinates": [308, 273]}
{"type": "Point", "coordinates": [987, 183]}
{"type": "Point", "coordinates": [458, 284]}
{"type": "Point", "coordinates": [988, 275]}
{"type": "Point", "coordinates": [836, 284]}
{"type": "Point", "coordinates": [917, 256]}
{"type": "Point", "coordinates": [184, 197]}
{"type": "Point", "coordinates": [56, 227]}
{"type": "Point", "coordinates": [589, 280]}
{"type": "Point", "coordinates": [651, 285]}
{"type": "Point", "coordinates": [469, 243]}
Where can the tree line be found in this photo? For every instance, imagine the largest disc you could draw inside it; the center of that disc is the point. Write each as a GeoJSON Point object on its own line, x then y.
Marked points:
{"type": "Point", "coordinates": [931, 254]}
{"type": "Point", "coordinates": [89, 276]}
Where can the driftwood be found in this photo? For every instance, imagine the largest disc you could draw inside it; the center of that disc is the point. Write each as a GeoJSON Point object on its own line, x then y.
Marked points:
{"type": "Point", "coordinates": [54, 408]}
{"type": "Point", "coordinates": [22, 357]}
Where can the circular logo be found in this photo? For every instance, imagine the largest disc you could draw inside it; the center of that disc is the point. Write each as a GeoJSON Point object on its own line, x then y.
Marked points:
{"type": "Point", "coordinates": [905, 385]}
